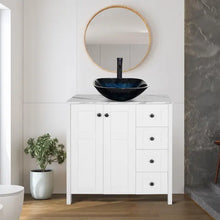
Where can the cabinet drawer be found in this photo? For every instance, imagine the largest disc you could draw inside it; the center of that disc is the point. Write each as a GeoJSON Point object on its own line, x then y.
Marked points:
{"type": "Point", "coordinates": [151, 160]}
{"type": "Point", "coordinates": [151, 183]}
{"type": "Point", "coordinates": [152, 115]}
{"type": "Point", "coordinates": [152, 138]}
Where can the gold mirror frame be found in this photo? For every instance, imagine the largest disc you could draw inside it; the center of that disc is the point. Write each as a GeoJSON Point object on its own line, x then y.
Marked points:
{"type": "Point", "coordinates": [132, 10]}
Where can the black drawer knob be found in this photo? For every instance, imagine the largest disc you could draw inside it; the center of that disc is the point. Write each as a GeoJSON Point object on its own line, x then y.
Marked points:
{"type": "Point", "coordinates": [151, 161]}
{"type": "Point", "coordinates": [99, 115]}
{"type": "Point", "coordinates": [152, 138]}
{"type": "Point", "coordinates": [106, 115]}
{"type": "Point", "coordinates": [152, 115]}
{"type": "Point", "coordinates": [151, 184]}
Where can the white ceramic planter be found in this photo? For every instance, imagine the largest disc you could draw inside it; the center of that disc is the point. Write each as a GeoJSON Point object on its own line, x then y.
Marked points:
{"type": "Point", "coordinates": [41, 184]}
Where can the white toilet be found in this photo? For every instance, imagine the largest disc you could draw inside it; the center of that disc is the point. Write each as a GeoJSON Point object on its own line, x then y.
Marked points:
{"type": "Point", "coordinates": [1, 211]}
{"type": "Point", "coordinates": [11, 201]}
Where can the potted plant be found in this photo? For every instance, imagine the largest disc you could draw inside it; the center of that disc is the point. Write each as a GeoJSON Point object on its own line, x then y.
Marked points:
{"type": "Point", "coordinates": [45, 150]}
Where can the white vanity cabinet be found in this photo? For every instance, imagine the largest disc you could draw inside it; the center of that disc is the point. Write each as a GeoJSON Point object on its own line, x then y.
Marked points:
{"type": "Point", "coordinates": [119, 147]}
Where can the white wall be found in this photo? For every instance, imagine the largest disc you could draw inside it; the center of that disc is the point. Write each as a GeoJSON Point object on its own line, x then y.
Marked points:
{"type": "Point", "coordinates": [16, 7]}
{"type": "Point", "coordinates": [5, 95]}
{"type": "Point", "coordinates": [49, 73]}
{"type": "Point", "coordinates": [57, 66]}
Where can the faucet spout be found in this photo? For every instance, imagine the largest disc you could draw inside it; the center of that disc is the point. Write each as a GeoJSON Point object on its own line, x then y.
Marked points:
{"type": "Point", "coordinates": [119, 67]}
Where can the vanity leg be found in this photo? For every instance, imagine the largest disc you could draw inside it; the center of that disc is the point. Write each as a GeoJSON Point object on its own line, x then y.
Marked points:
{"type": "Point", "coordinates": [170, 158]}
{"type": "Point", "coordinates": [170, 199]}
{"type": "Point", "coordinates": [68, 199]}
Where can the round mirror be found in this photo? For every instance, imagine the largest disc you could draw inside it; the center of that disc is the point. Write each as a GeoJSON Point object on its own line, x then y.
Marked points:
{"type": "Point", "coordinates": [117, 31]}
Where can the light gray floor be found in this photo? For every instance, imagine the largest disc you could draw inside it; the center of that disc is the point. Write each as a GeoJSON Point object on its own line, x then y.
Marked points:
{"type": "Point", "coordinates": [208, 197]}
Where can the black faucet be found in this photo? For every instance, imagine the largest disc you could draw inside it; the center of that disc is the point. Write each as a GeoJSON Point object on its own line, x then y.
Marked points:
{"type": "Point", "coordinates": [119, 67]}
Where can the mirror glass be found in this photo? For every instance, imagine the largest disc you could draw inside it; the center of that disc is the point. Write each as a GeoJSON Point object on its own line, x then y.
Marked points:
{"type": "Point", "coordinates": [117, 31]}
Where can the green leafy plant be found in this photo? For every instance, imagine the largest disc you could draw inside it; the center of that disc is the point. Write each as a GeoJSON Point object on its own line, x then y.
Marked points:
{"type": "Point", "coordinates": [45, 150]}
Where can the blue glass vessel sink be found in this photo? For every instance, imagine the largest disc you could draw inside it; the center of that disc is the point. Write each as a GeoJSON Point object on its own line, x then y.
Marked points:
{"type": "Point", "coordinates": [120, 89]}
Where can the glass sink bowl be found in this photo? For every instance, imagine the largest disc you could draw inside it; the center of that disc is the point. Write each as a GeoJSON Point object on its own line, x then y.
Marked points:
{"type": "Point", "coordinates": [120, 89]}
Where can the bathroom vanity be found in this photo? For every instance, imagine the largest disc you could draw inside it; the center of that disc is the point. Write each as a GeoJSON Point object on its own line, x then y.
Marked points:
{"type": "Point", "coordinates": [119, 147]}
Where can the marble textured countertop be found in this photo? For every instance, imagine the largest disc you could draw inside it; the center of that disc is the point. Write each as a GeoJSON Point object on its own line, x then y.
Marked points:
{"type": "Point", "coordinates": [142, 99]}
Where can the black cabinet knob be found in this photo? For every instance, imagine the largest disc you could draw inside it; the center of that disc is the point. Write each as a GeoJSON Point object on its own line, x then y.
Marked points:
{"type": "Point", "coordinates": [152, 138]}
{"type": "Point", "coordinates": [151, 161]}
{"type": "Point", "coordinates": [106, 115]}
{"type": "Point", "coordinates": [151, 184]}
{"type": "Point", "coordinates": [99, 115]}
{"type": "Point", "coordinates": [152, 115]}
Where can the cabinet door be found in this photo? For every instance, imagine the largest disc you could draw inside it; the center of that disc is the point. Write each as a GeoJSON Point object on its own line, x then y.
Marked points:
{"type": "Point", "coordinates": [119, 149]}
{"type": "Point", "coordinates": [86, 149]}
